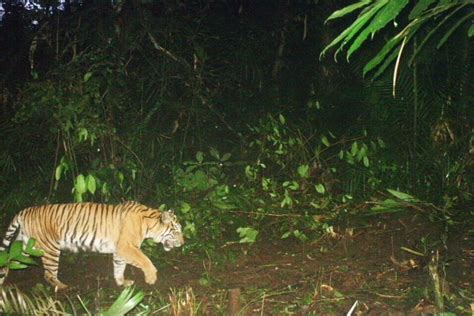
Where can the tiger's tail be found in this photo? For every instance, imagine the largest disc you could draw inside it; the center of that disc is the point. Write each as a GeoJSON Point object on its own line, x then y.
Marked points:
{"type": "Point", "coordinates": [9, 237]}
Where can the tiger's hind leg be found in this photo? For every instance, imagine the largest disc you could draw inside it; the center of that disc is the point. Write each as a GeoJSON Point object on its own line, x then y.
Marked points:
{"type": "Point", "coordinates": [50, 261]}
{"type": "Point", "coordinates": [119, 269]}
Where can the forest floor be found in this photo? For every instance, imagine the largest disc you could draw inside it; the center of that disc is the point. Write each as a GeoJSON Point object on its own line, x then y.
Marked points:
{"type": "Point", "coordinates": [364, 264]}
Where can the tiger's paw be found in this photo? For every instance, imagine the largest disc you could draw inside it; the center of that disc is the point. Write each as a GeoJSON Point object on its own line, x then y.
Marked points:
{"type": "Point", "coordinates": [127, 283]}
{"type": "Point", "coordinates": [59, 286]}
{"type": "Point", "coordinates": [151, 278]}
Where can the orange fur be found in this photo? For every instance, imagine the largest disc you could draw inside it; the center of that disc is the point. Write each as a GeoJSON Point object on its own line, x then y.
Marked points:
{"type": "Point", "coordinates": [116, 229]}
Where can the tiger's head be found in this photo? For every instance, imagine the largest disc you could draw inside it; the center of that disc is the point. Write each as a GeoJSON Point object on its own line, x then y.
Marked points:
{"type": "Point", "coordinates": [167, 230]}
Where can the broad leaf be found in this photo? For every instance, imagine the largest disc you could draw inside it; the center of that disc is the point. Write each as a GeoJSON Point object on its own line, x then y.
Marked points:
{"type": "Point", "coordinates": [214, 153]}
{"type": "Point", "coordinates": [303, 171]}
{"type": "Point", "coordinates": [325, 141]}
{"type": "Point", "coordinates": [383, 17]}
{"type": "Point", "coordinates": [26, 260]}
{"type": "Point", "coordinates": [91, 183]}
{"type": "Point", "coordinates": [31, 250]}
{"type": "Point", "coordinates": [199, 156]}
{"type": "Point", "coordinates": [3, 258]}
{"type": "Point", "coordinates": [453, 28]}
{"type": "Point", "coordinates": [470, 32]}
{"type": "Point", "coordinates": [320, 188]}
{"type": "Point", "coordinates": [16, 266]}
{"type": "Point", "coordinates": [225, 157]}
{"type": "Point", "coordinates": [353, 29]}
{"type": "Point", "coordinates": [80, 184]}
{"type": "Point", "coordinates": [346, 10]}
{"type": "Point", "coordinates": [420, 7]}
{"type": "Point", "coordinates": [403, 196]}
{"type": "Point", "coordinates": [380, 57]}
{"type": "Point", "coordinates": [16, 249]}
{"type": "Point", "coordinates": [59, 170]}
{"type": "Point", "coordinates": [435, 12]}
{"type": "Point", "coordinates": [249, 234]}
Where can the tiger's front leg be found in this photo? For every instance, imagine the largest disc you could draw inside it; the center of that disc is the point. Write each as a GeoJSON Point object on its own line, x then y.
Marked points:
{"type": "Point", "coordinates": [134, 256]}
{"type": "Point", "coordinates": [119, 269]}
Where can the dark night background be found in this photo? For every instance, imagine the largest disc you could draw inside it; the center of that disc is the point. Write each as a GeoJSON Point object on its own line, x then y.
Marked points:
{"type": "Point", "coordinates": [225, 111]}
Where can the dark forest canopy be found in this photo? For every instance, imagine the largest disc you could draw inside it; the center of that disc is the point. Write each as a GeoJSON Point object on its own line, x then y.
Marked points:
{"type": "Point", "coordinates": [228, 105]}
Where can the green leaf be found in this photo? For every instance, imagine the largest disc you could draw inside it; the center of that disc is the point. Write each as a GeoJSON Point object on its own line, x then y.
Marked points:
{"type": "Point", "coordinates": [59, 170]}
{"type": "Point", "coordinates": [403, 196]}
{"type": "Point", "coordinates": [320, 188]}
{"type": "Point", "coordinates": [386, 63]}
{"type": "Point", "coordinates": [222, 205]}
{"type": "Point", "coordinates": [78, 197]}
{"type": "Point", "coordinates": [247, 235]}
{"type": "Point", "coordinates": [26, 260]}
{"type": "Point", "coordinates": [300, 235]}
{"type": "Point", "coordinates": [349, 32]}
{"type": "Point", "coordinates": [282, 119]}
{"type": "Point", "coordinates": [349, 9]}
{"type": "Point", "coordinates": [470, 32]}
{"type": "Point", "coordinates": [4, 256]}
{"type": "Point", "coordinates": [91, 183]}
{"type": "Point", "coordinates": [204, 282]}
{"type": "Point", "coordinates": [453, 28]}
{"type": "Point", "coordinates": [16, 265]}
{"type": "Point", "coordinates": [16, 249]}
{"type": "Point", "coordinates": [34, 252]}
{"type": "Point", "coordinates": [325, 141]}
{"type": "Point", "coordinates": [87, 76]}
{"type": "Point", "coordinates": [214, 153]}
{"type": "Point", "coordinates": [120, 177]}
{"type": "Point", "coordinates": [390, 203]}
{"type": "Point", "coordinates": [200, 156]}
{"type": "Point", "coordinates": [365, 160]}
{"type": "Point", "coordinates": [30, 244]}
{"type": "Point", "coordinates": [80, 184]}
{"type": "Point", "coordinates": [293, 186]}
{"type": "Point", "coordinates": [185, 207]}
{"type": "Point", "coordinates": [362, 152]}
{"type": "Point", "coordinates": [286, 235]}
{"type": "Point", "coordinates": [200, 181]}
{"type": "Point", "coordinates": [427, 37]}
{"type": "Point", "coordinates": [354, 149]}
{"type": "Point", "coordinates": [382, 54]}
{"type": "Point", "coordinates": [303, 171]}
{"type": "Point", "coordinates": [225, 157]}
{"type": "Point", "coordinates": [419, 8]}
{"type": "Point", "coordinates": [389, 12]}
{"type": "Point", "coordinates": [83, 134]}
{"type": "Point", "coordinates": [386, 206]}
{"type": "Point", "coordinates": [381, 143]}
{"type": "Point", "coordinates": [126, 301]}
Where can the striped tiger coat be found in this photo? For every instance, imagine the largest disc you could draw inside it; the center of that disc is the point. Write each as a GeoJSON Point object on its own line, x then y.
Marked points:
{"type": "Point", "coordinates": [115, 229]}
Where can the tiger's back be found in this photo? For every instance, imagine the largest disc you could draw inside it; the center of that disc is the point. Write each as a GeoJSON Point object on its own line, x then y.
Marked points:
{"type": "Point", "coordinates": [116, 229]}
{"type": "Point", "coordinates": [79, 226]}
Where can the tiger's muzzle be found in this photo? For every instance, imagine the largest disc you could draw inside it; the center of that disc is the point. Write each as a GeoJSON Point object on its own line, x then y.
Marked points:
{"type": "Point", "coordinates": [171, 243]}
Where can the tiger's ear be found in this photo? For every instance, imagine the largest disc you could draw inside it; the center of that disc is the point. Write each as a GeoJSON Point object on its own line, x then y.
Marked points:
{"type": "Point", "coordinates": [167, 217]}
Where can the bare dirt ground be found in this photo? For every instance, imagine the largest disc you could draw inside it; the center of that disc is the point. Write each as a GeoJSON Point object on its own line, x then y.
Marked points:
{"type": "Point", "coordinates": [323, 277]}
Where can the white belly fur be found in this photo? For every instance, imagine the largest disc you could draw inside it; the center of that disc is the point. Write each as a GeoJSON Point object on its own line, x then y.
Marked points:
{"type": "Point", "coordinates": [100, 246]}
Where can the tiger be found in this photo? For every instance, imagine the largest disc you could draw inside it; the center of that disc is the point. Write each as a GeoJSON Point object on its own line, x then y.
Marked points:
{"type": "Point", "coordinates": [111, 229]}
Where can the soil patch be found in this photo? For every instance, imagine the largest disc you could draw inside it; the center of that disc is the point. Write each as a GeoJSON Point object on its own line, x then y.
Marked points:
{"type": "Point", "coordinates": [382, 265]}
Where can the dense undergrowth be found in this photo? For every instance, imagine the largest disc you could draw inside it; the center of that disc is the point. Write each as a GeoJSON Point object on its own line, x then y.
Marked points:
{"type": "Point", "coordinates": [166, 104]}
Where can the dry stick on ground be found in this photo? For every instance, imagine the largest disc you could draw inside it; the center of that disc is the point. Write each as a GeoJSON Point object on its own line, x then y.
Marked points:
{"type": "Point", "coordinates": [267, 214]}
{"type": "Point", "coordinates": [233, 307]}
{"type": "Point", "coordinates": [437, 290]}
